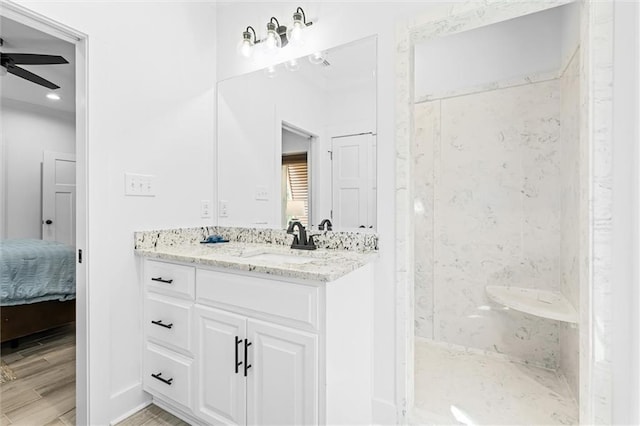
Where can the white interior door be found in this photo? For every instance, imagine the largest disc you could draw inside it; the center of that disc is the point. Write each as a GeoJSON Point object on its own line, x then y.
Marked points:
{"type": "Point", "coordinates": [59, 197]}
{"type": "Point", "coordinates": [354, 181]}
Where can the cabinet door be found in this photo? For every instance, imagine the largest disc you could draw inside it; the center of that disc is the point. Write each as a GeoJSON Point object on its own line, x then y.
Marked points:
{"type": "Point", "coordinates": [282, 385]}
{"type": "Point", "coordinates": [220, 391]}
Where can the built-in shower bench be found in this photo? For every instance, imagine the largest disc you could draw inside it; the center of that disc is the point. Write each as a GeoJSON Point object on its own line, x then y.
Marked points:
{"type": "Point", "coordinates": [542, 303]}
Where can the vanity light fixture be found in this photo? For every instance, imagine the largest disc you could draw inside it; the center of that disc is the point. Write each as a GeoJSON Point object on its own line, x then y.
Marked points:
{"type": "Point", "coordinates": [277, 36]}
{"type": "Point", "coordinates": [247, 43]}
{"type": "Point", "coordinates": [298, 26]}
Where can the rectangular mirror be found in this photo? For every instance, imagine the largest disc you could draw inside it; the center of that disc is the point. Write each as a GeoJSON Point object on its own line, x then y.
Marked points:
{"type": "Point", "coordinates": [297, 141]}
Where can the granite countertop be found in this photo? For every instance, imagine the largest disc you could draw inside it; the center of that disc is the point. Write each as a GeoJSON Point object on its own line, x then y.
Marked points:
{"type": "Point", "coordinates": [322, 265]}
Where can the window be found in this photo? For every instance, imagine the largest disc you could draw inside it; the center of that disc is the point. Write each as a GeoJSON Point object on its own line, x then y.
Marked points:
{"type": "Point", "coordinates": [295, 190]}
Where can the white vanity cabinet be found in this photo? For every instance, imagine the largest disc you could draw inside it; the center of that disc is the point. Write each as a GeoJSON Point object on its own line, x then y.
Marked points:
{"type": "Point", "coordinates": [262, 350]}
{"type": "Point", "coordinates": [167, 357]}
{"type": "Point", "coordinates": [254, 372]}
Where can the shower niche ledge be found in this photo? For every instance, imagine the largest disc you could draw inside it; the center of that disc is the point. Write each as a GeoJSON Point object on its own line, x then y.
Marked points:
{"type": "Point", "coordinates": [542, 303]}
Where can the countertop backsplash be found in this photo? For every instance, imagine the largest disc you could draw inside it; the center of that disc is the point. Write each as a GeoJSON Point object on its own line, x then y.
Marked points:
{"type": "Point", "coordinates": [332, 240]}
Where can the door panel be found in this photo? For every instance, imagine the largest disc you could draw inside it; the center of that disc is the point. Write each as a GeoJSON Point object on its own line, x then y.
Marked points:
{"type": "Point", "coordinates": [59, 197]}
{"type": "Point", "coordinates": [354, 181]}
{"type": "Point", "coordinates": [282, 386]}
{"type": "Point", "coordinates": [220, 391]}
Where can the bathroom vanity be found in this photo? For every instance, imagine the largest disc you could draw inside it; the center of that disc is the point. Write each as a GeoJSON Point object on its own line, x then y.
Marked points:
{"type": "Point", "coordinates": [246, 333]}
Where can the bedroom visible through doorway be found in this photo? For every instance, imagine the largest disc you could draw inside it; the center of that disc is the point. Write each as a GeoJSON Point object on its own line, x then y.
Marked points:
{"type": "Point", "coordinates": [38, 229]}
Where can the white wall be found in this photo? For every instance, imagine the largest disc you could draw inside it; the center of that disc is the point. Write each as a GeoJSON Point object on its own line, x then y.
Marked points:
{"type": "Point", "coordinates": [626, 213]}
{"type": "Point", "coordinates": [339, 23]}
{"type": "Point", "coordinates": [151, 107]}
{"type": "Point", "coordinates": [27, 131]}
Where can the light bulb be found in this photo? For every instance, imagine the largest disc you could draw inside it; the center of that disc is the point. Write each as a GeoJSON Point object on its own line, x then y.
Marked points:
{"type": "Point", "coordinates": [296, 33]}
{"type": "Point", "coordinates": [272, 41]}
{"type": "Point", "coordinates": [292, 65]}
{"type": "Point", "coordinates": [316, 58]}
{"type": "Point", "coordinates": [53, 96]}
{"type": "Point", "coordinates": [246, 48]}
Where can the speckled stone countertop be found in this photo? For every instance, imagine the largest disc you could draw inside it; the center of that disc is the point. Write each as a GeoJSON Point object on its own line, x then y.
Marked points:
{"type": "Point", "coordinates": [257, 254]}
{"type": "Point", "coordinates": [321, 265]}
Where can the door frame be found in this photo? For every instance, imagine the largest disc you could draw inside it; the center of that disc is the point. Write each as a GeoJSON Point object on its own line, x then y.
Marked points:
{"type": "Point", "coordinates": [80, 40]}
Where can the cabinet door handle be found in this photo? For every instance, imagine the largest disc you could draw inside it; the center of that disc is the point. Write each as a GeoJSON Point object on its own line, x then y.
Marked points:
{"type": "Point", "coordinates": [162, 280]}
{"type": "Point", "coordinates": [161, 324]}
{"type": "Point", "coordinates": [247, 366]}
{"type": "Point", "coordinates": [238, 363]}
{"type": "Point", "coordinates": [162, 379]}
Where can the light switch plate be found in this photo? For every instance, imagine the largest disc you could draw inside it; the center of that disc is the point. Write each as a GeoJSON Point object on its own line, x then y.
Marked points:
{"type": "Point", "coordinates": [205, 209]}
{"type": "Point", "coordinates": [223, 208]}
{"type": "Point", "coordinates": [262, 193]}
{"type": "Point", "coordinates": [137, 185]}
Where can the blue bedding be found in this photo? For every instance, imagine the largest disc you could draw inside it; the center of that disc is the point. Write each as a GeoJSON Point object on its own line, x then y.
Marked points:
{"type": "Point", "coordinates": [34, 271]}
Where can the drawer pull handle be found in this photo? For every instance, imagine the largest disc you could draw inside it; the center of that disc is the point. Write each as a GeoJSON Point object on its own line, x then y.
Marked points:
{"type": "Point", "coordinates": [238, 363]}
{"type": "Point", "coordinates": [163, 380]}
{"type": "Point", "coordinates": [162, 280]}
{"type": "Point", "coordinates": [247, 366]}
{"type": "Point", "coordinates": [161, 324]}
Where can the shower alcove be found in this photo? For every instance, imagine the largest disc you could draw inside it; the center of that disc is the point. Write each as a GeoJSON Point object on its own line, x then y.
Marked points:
{"type": "Point", "coordinates": [498, 177]}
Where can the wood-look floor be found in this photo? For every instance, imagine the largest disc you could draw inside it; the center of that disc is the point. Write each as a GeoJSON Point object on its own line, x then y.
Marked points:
{"type": "Point", "coordinates": [152, 415]}
{"type": "Point", "coordinates": [44, 392]}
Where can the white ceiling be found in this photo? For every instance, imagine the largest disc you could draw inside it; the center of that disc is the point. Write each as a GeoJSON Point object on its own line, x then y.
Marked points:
{"type": "Point", "coordinates": [20, 38]}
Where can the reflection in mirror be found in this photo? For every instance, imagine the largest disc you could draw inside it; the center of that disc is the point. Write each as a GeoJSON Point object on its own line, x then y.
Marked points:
{"type": "Point", "coordinates": [296, 163]}
{"type": "Point", "coordinates": [299, 143]}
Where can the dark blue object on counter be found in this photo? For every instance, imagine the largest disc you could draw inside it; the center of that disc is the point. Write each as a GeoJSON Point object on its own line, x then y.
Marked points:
{"type": "Point", "coordinates": [213, 239]}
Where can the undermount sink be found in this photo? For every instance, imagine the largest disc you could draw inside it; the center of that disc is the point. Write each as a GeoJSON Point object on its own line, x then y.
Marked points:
{"type": "Point", "coordinates": [278, 257]}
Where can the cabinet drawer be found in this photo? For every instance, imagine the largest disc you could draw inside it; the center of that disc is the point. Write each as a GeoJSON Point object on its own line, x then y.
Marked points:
{"type": "Point", "coordinates": [278, 299]}
{"type": "Point", "coordinates": [172, 375]}
{"type": "Point", "coordinates": [168, 321]}
{"type": "Point", "coordinates": [169, 278]}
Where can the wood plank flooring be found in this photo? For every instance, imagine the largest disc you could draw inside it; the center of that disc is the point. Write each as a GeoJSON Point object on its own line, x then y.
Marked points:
{"type": "Point", "coordinates": [151, 416]}
{"type": "Point", "coordinates": [44, 392]}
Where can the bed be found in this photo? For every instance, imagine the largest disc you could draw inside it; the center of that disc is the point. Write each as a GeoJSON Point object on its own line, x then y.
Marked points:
{"type": "Point", "coordinates": [37, 286]}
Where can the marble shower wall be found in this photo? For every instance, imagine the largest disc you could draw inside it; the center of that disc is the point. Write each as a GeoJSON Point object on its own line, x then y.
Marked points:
{"type": "Point", "coordinates": [570, 216]}
{"type": "Point", "coordinates": [487, 176]}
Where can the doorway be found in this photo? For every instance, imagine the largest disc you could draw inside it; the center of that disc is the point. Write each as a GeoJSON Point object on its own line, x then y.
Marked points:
{"type": "Point", "coordinates": [71, 205]}
{"type": "Point", "coordinates": [295, 188]}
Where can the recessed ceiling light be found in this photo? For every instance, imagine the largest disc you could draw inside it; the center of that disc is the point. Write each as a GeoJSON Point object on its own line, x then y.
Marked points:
{"type": "Point", "coordinates": [53, 96]}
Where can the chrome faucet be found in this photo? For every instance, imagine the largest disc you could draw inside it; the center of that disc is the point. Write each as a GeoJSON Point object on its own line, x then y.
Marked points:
{"type": "Point", "coordinates": [300, 241]}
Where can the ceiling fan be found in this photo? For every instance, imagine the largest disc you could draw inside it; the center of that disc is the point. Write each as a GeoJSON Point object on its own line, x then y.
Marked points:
{"type": "Point", "coordinates": [10, 62]}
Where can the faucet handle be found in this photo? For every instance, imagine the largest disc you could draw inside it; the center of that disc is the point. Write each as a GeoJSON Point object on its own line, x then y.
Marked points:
{"type": "Point", "coordinates": [311, 241]}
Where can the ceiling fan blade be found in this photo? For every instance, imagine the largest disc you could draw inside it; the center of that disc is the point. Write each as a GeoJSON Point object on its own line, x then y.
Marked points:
{"type": "Point", "coordinates": [34, 59]}
{"type": "Point", "coordinates": [27, 75]}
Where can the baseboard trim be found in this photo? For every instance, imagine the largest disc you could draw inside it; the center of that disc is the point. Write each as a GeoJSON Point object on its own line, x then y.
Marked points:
{"type": "Point", "coordinates": [127, 402]}
{"type": "Point", "coordinates": [384, 412]}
